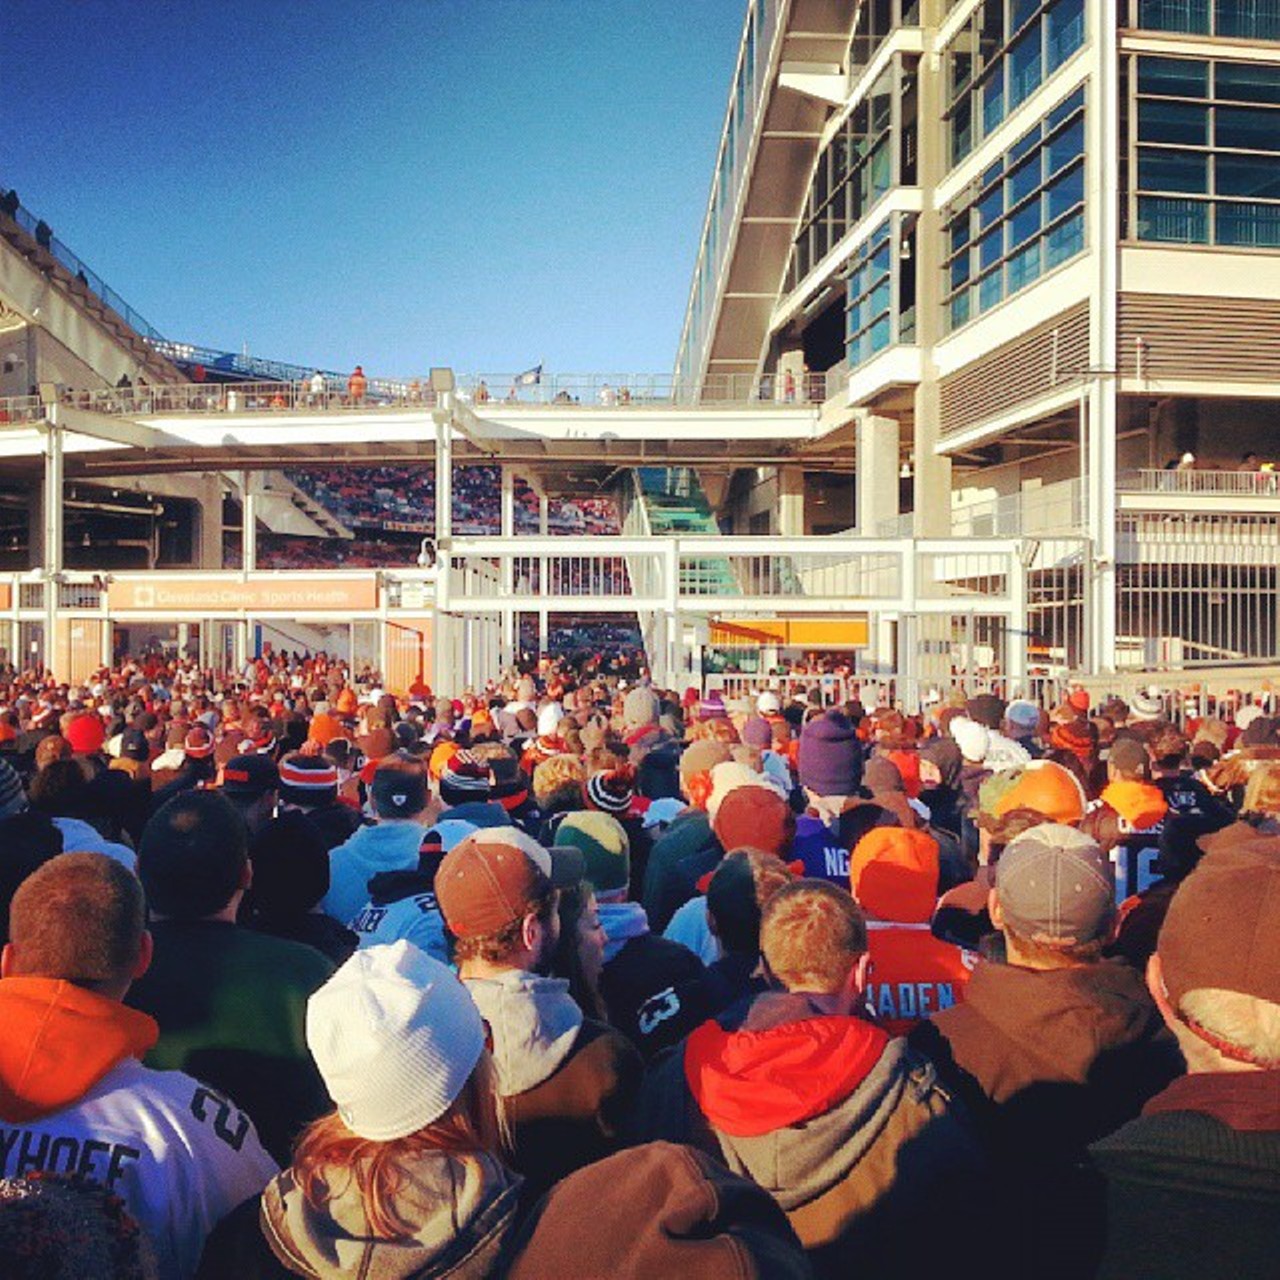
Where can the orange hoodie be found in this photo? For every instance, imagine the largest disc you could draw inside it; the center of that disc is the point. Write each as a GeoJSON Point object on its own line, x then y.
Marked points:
{"type": "Point", "coordinates": [1139, 804]}
{"type": "Point", "coordinates": [59, 1040]}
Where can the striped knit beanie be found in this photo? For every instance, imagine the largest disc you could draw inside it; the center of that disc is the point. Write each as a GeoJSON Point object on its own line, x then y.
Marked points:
{"type": "Point", "coordinates": [308, 781]}
{"type": "Point", "coordinates": [464, 778]}
{"type": "Point", "coordinates": [12, 797]}
{"type": "Point", "coordinates": [612, 790]}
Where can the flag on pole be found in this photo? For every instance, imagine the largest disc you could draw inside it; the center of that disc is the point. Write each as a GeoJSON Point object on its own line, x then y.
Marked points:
{"type": "Point", "coordinates": [530, 377]}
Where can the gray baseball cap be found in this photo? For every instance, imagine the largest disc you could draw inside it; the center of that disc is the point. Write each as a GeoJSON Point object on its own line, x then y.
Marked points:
{"type": "Point", "coordinates": [1055, 886]}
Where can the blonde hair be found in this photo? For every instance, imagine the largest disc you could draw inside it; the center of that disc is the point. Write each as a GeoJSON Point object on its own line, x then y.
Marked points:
{"type": "Point", "coordinates": [1245, 1023]}
{"type": "Point", "coordinates": [811, 935]}
{"type": "Point", "coordinates": [718, 729]}
{"type": "Point", "coordinates": [558, 782]}
{"type": "Point", "coordinates": [1262, 791]}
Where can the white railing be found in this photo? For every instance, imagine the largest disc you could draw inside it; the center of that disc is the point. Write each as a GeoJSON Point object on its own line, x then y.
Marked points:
{"type": "Point", "coordinates": [1229, 483]}
{"type": "Point", "coordinates": [1056, 508]}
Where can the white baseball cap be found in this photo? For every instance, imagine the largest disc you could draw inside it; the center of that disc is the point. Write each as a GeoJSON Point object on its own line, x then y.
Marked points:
{"type": "Point", "coordinates": [396, 1037]}
{"type": "Point", "coordinates": [768, 703]}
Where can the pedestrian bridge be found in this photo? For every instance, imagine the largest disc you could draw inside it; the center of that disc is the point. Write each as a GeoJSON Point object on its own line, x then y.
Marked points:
{"type": "Point", "coordinates": [631, 421]}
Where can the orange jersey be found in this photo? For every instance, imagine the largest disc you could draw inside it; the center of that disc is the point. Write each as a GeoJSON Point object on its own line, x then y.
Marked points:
{"type": "Point", "coordinates": [913, 974]}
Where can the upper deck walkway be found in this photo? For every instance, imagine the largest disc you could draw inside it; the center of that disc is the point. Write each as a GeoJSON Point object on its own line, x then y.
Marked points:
{"type": "Point", "coordinates": [623, 421]}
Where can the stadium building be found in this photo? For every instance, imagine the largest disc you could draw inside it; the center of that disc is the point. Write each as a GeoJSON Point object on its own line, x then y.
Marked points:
{"type": "Point", "coordinates": [975, 385]}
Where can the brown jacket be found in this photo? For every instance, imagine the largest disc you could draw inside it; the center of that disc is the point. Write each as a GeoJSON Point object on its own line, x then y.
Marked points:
{"type": "Point", "coordinates": [568, 1083]}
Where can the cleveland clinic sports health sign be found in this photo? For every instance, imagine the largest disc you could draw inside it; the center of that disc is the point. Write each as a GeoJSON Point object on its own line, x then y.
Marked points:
{"type": "Point", "coordinates": [158, 595]}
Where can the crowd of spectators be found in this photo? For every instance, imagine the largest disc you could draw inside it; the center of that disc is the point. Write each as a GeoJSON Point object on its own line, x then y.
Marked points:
{"type": "Point", "coordinates": [575, 975]}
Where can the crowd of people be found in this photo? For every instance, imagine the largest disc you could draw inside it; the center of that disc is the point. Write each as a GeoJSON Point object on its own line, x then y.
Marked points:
{"type": "Point", "coordinates": [391, 508]}
{"type": "Point", "coordinates": [576, 975]}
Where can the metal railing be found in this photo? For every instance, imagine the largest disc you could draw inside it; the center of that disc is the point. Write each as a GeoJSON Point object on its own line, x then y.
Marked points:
{"type": "Point", "coordinates": [329, 394]}
{"type": "Point", "coordinates": [242, 364]}
{"type": "Point", "coordinates": [641, 390]}
{"type": "Point", "coordinates": [1052, 509]}
{"type": "Point", "coordinates": [42, 234]}
{"type": "Point", "coordinates": [1250, 483]}
{"type": "Point", "coordinates": [21, 409]}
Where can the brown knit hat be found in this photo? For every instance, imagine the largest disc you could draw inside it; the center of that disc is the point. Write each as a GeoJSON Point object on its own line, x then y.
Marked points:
{"type": "Point", "coordinates": [702, 757]}
{"type": "Point", "coordinates": [1222, 931]}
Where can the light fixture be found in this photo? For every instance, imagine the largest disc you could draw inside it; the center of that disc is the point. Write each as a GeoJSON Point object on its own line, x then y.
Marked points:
{"type": "Point", "coordinates": [904, 471]}
{"type": "Point", "coordinates": [86, 541]}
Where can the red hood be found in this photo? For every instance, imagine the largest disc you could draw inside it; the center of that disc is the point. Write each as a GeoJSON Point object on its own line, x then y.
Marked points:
{"type": "Point", "coordinates": [749, 1083]}
{"type": "Point", "coordinates": [59, 1041]}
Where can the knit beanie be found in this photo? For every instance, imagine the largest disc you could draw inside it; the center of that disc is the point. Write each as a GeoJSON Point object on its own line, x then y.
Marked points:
{"type": "Point", "coordinates": [396, 1038]}
{"type": "Point", "coordinates": [639, 708]}
{"type": "Point", "coordinates": [1048, 788]}
{"type": "Point", "coordinates": [757, 732]}
{"type": "Point", "coordinates": [1022, 716]}
{"type": "Point", "coordinates": [882, 776]}
{"type": "Point", "coordinates": [757, 817]}
{"type": "Point", "coordinates": [549, 720]}
{"type": "Point", "coordinates": [986, 709]}
{"type": "Point", "coordinates": [611, 790]}
{"type": "Point", "coordinates": [712, 707]}
{"type": "Point", "coordinates": [13, 799]}
{"type": "Point", "coordinates": [702, 757]}
{"type": "Point", "coordinates": [198, 743]}
{"type": "Point", "coordinates": [603, 843]}
{"type": "Point", "coordinates": [973, 739]}
{"type": "Point", "coordinates": [726, 778]}
{"type": "Point", "coordinates": [830, 756]}
{"type": "Point", "coordinates": [464, 778]}
{"type": "Point", "coordinates": [308, 781]}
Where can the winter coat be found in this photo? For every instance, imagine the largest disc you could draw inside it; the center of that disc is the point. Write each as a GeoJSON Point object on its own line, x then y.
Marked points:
{"type": "Point", "coordinates": [687, 850]}
{"type": "Point", "coordinates": [1191, 1188]}
{"type": "Point", "coordinates": [389, 846]}
{"type": "Point", "coordinates": [849, 1130]}
{"type": "Point", "coordinates": [458, 1211]}
{"type": "Point", "coordinates": [1047, 1061]}
{"type": "Point", "coordinates": [568, 1083]}
{"type": "Point", "coordinates": [74, 1097]}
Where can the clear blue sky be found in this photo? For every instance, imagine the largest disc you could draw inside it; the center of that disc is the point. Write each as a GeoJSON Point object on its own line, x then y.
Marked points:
{"type": "Point", "coordinates": [482, 183]}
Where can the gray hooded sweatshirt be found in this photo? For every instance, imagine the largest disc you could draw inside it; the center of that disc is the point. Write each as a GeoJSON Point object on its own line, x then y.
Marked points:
{"type": "Point", "coordinates": [534, 1022]}
{"type": "Point", "coordinates": [458, 1210]}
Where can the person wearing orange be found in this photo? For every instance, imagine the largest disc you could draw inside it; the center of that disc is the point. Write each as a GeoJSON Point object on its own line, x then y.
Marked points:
{"type": "Point", "coordinates": [894, 878]}
{"type": "Point", "coordinates": [357, 385]}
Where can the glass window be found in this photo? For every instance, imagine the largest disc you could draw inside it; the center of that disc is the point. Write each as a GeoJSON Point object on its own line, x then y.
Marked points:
{"type": "Point", "coordinates": [1066, 146]}
{"type": "Point", "coordinates": [1247, 128]}
{"type": "Point", "coordinates": [1173, 221]}
{"type": "Point", "coordinates": [1065, 193]}
{"type": "Point", "coordinates": [1173, 77]}
{"type": "Point", "coordinates": [1247, 176]}
{"type": "Point", "coordinates": [1248, 224]}
{"type": "Point", "coordinates": [1246, 82]}
{"type": "Point", "coordinates": [1173, 122]}
{"type": "Point", "coordinates": [1024, 66]}
{"type": "Point", "coordinates": [1172, 171]}
{"type": "Point", "coordinates": [1064, 31]}
{"type": "Point", "coordinates": [1174, 15]}
{"type": "Point", "coordinates": [1247, 19]}
{"type": "Point", "coordinates": [1031, 220]}
{"type": "Point", "coordinates": [993, 99]}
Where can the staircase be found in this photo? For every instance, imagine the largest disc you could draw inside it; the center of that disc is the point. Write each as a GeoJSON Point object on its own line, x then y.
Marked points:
{"type": "Point", "coordinates": [674, 504]}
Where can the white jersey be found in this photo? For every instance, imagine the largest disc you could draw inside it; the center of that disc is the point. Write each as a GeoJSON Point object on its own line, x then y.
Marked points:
{"type": "Point", "coordinates": [177, 1153]}
{"type": "Point", "coordinates": [416, 919]}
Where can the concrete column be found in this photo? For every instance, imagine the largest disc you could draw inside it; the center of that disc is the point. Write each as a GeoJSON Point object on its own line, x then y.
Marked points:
{"type": "Point", "coordinates": [53, 546]}
{"type": "Point", "coordinates": [508, 529]}
{"type": "Point", "coordinates": [877, 478]}
{"type": "Point", "coordinates": [208, 548]}
{"type": "Point", "coordinates": [1103, 160]}
{"type": "Point", "coordinates": [931, 475]}
{"type": "Point", "coordinates": [791, 520]}
{"type": "Point", "coordinates": [248, 521]}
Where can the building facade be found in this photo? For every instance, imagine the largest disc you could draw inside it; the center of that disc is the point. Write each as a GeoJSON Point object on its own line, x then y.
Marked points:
{"type": "Point", "coordinates": [1030, 250]}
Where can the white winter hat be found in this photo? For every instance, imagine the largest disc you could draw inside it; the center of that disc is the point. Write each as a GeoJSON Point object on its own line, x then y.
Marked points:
{"type": "Point", "coordinates": [973, 739]}
{"type": "Point", "coordinates": [549, 720]}
{"type": "Point", "coordinates": [768, 703]}
{"type": "Point", "coordinates": [396, 1037]}
{"type": "Point", "coordinates": [1247, 715]}
{"type": "Point", "coordinates": [731, 775]}
{"type": "Point", "coordinates": [1146, 705]}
